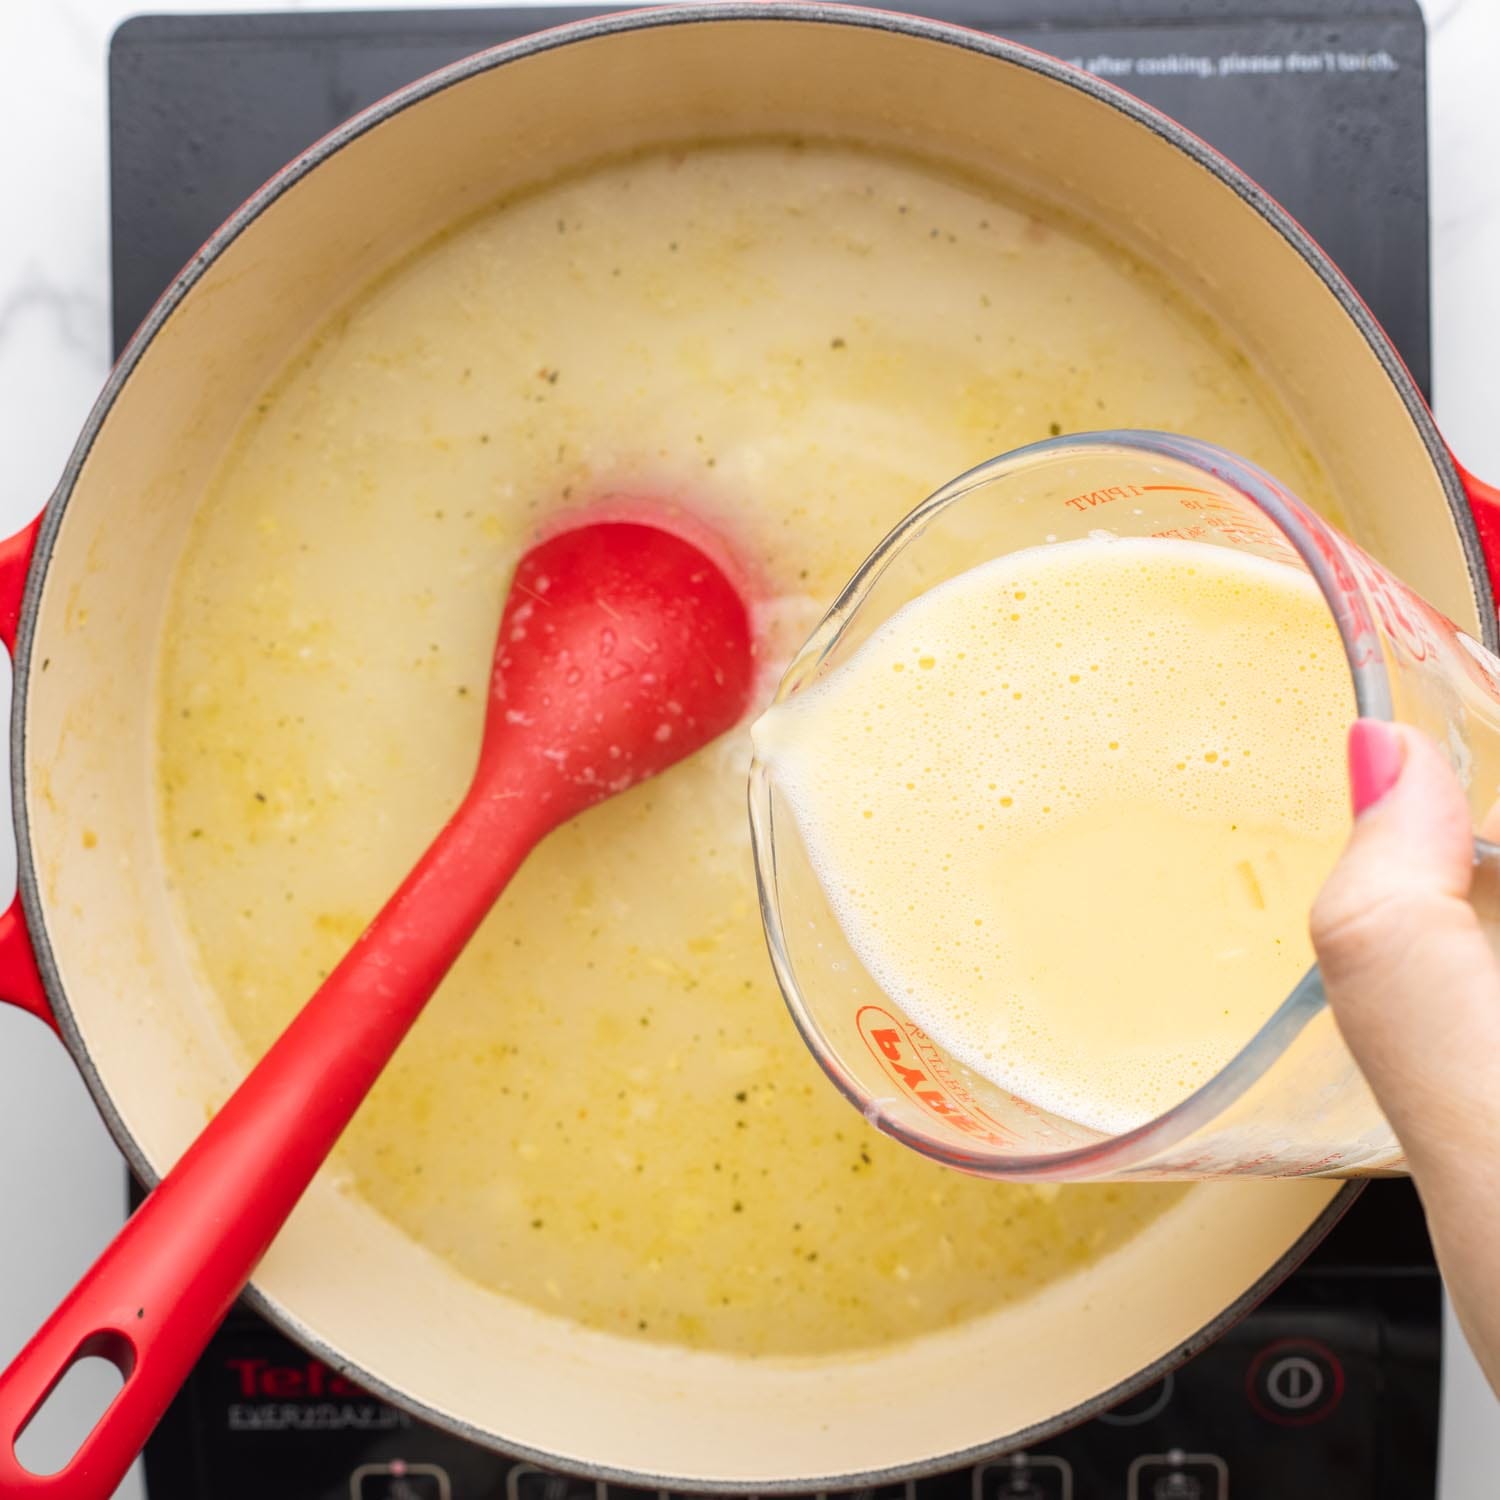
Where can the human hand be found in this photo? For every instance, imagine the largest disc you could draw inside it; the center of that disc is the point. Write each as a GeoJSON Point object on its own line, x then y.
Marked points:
{"type": "Point", "coordinates": [1414, 984]}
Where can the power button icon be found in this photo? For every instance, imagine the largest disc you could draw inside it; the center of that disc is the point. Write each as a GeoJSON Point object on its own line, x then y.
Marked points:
{"type": "Point", "coordinates": [1295, 1382]}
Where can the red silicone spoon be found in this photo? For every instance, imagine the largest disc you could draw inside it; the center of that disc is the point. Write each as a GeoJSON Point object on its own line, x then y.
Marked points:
{"type": "Point", "coordinates": [622, 649]}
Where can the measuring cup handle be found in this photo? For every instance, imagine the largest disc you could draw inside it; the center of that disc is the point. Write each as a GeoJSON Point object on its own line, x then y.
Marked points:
{"type": "Point", "coordinates": [1484, 893]}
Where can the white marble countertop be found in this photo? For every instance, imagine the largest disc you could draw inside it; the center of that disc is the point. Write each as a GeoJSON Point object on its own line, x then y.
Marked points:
{"type": "Point", "coordinates": [59, 1172]}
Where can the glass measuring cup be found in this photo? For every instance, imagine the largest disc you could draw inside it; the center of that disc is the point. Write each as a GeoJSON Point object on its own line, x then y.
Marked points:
{"type": "Point", "coordinates": [1291, 1102]}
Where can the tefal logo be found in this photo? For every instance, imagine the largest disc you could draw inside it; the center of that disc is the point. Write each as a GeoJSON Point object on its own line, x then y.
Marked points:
{"type": "Point", "coordinates": [909, 1058]}
{"type": "Point", "coordinates": [310, 1380]}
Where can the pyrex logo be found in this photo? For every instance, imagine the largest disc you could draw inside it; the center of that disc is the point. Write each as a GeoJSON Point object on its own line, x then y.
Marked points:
{"type": "Point", "coordinates": [911, 1061]}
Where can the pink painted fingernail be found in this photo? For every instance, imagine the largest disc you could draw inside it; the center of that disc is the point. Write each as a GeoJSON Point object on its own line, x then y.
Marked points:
{"type": "Point", "coordinates": [1376, 756]}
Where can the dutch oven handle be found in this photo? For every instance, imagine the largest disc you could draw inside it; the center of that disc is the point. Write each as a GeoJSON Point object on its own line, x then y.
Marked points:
{"type": "Point", "coordinates": [153, 1298]}
{"type": "Point", "coordinates": [20, 980]}
{"type": "Point", "coordinates": [100, 1318]}
{"type": "Point", "coordinates": [1484, 505]}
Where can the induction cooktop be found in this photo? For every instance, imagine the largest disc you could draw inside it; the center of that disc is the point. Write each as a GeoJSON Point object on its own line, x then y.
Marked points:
{"type": "Point", "coordinates": [1331, 1387]}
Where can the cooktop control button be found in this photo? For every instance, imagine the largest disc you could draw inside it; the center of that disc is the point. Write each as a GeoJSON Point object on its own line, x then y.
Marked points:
{"type": "Point", "coordinates": [1025, 1476]}
{"type": "Point", "coordinates": [1176, 1475]}
{"type": "Point", "coordinates": [526, 1482]}
{"type": "Point", "coordinates": [906, 1491]}
{"type": "Point", "coordinates": [1142, 1406]}
{"type": "Point", "coordinates": [399, 1480]}
{"type": "Point", "coordinates": [1295, 1382]}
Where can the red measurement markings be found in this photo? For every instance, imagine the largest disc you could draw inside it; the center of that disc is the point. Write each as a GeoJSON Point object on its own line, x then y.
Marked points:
{"type": "Point", "coordinates": [1407, 620]}
{"type": "Point", "coordinates": [1109, 493]}
{"type": "Point", "coordinates": [1225, 519]}
{"type": "Point", "coordinates": [1089, 499]}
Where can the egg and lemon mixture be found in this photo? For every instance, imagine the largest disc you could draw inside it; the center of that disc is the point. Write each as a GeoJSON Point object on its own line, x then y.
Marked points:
{"type": "Point", "coordinates": [1097, 895]}
{"type": "Point", "coordinates": [605, 1111]}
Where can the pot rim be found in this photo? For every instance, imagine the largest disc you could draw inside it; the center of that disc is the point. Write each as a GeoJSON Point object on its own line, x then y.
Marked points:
{"type": "Point", "coordinates": [701, 11]}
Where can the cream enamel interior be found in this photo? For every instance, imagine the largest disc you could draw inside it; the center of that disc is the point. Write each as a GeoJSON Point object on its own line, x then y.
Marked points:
{"type": "Point", "coordinates": [338, 1273]}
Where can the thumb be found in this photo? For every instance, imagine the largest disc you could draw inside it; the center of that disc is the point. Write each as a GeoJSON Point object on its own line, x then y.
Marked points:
{"type": "Point", "coordinates": [1409, 973]}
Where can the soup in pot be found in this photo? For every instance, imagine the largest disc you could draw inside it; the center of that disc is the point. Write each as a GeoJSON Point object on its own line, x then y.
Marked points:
{"type": "Point", "coordinates": [606, 1112]}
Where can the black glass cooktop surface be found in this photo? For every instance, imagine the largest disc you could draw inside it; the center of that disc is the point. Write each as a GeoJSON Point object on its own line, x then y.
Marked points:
{"type": "Point", "coordinates": [1331, 1387]}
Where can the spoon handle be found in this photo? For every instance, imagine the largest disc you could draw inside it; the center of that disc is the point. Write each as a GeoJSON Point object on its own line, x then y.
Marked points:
{"type": "Point", "coordinates": [153, 1299]}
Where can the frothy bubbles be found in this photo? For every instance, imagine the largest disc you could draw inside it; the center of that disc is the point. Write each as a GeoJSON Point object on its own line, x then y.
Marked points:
{"type": "Point", "coordinates": [1070, 808]}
